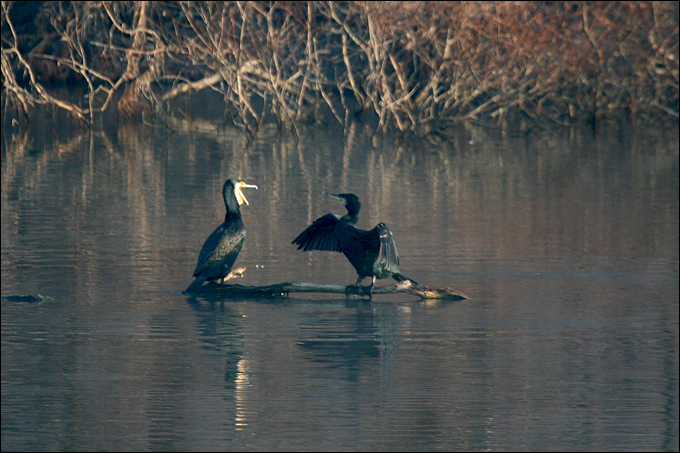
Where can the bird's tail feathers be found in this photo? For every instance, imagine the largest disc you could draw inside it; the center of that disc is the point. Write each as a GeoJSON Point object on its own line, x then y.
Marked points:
{"type": "Point", "coordinates": [398, 276]}
{"type": "Point", "coordinates": [195, 285]}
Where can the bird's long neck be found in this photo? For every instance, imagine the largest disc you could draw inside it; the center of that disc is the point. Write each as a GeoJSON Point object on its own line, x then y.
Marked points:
{"type": "Point", "coordinates": [352, 215]}
{"type": "Point", "coordinates": [350, 219]}
{"type": "Point", "coordinates": [231, 215]}
{"type": "Point", "coordinates": [230, 203]}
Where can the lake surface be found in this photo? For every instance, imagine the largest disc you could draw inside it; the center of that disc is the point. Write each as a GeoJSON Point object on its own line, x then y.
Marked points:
{"type": "Point", "coordinates": [565, 242]}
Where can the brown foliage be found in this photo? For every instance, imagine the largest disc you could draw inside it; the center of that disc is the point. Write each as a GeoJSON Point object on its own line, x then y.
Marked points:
{"type": "Point", "coordinates": [415, 65]}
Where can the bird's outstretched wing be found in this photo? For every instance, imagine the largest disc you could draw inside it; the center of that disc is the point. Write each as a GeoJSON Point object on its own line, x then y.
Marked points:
{"type": "Point", "coordinates": [388, 255]}
{"type": "Point", "coordinates": [320, 235]}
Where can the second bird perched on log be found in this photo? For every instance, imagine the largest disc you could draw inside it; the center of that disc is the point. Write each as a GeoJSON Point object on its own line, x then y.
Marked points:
{"type": "Point", "coordinates": [224, 244]}
{"type": "Point", "coordinates": [371, 252]}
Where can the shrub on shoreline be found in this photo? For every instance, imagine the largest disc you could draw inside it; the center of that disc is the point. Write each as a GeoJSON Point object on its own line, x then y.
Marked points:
{"type": "Point", "coordinates": [414, 66]}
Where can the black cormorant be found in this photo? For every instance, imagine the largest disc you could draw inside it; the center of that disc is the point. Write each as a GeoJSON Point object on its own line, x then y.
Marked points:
{"type": "Point", "coordinates": [372, 253]}
{"type": "Point", "coordinates": [224, 244]}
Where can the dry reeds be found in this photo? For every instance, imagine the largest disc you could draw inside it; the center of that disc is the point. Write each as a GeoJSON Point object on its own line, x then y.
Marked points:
{"type": "Point", "coordinates": [415, 66]}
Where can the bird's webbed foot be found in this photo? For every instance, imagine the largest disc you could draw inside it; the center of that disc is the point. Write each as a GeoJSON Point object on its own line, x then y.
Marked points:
{"type": "Point", "coordinates": [357, 289]}
{"type": "Point", "coordinates": [354, 290]}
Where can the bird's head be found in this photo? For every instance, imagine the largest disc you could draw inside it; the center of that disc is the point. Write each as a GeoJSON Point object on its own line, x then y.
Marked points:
{"type": "Point", "coordinates": [237, 185]}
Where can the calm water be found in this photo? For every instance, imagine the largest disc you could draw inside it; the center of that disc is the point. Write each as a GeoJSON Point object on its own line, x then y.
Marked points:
{"type": "Point", "coordinates": [565, 242]}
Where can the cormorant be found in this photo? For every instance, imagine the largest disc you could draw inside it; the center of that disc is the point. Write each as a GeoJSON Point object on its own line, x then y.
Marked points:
{"type": "Point", "coordinates": [224, 244]}
{"type": "Point", "coordinates": [372, 253]}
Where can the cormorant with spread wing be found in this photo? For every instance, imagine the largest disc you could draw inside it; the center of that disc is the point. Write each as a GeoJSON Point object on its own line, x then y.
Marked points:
{"type": "Point", "coordinates": [371, 252]}
{"type": "Point", "coordinates": [224, 244]}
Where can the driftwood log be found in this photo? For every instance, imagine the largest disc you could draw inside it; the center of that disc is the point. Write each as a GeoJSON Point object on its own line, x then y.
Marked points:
{"type": "Point", "coordinates": [284, 289]}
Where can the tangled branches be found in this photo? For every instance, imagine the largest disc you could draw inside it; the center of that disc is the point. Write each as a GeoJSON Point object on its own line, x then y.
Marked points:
{"type": "Point", "coordinates": [412, 65]}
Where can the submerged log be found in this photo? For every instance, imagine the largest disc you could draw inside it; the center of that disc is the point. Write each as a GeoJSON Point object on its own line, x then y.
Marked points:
{"type": "Point", "coordinates": [285, 288]}
{"type": "Point", "coordinates": [27, 298]}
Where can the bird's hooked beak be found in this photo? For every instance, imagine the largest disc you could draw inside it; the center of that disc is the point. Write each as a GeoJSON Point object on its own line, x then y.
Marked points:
{"type": "Point", "coordinates": [338, 198]}
{"type": "Point", "coordinates": [239, 195]}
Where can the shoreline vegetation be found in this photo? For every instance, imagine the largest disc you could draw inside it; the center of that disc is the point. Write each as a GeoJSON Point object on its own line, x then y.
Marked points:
{"type": "Point", "coordinates": [407, 66]}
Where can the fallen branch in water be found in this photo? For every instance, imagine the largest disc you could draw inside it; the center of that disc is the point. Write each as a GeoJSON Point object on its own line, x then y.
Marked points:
{"type": "Point", "coordinates": [284, 289]}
